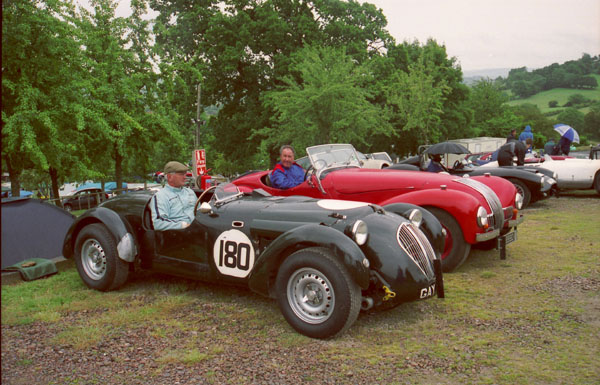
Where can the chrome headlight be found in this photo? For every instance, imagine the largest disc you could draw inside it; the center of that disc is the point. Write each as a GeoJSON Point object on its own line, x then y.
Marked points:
{"type": "Point", "coordinates": [518, 201]}
{"type": "Point", "coordinates": [415, 217]}
{"type": "Point", "coordinates": [360, 232]}
{"type": "Point", "coordinates": [482, 218]}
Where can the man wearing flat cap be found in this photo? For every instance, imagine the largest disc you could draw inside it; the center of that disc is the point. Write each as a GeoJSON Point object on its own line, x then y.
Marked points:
{"type": "Point", "coordinates": [173, 206]}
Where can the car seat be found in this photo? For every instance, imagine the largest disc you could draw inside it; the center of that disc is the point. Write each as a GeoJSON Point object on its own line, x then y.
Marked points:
{"type": "Point", "coordinates": [266, 179]}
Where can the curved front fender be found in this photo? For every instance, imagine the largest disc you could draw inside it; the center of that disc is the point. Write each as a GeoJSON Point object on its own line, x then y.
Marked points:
{"type": "Point", "coordinates": [119, 228]}
{"type": "Point", "coordinates": [265, 269]}
{"type": "Point", "coordinates": [430, 225]}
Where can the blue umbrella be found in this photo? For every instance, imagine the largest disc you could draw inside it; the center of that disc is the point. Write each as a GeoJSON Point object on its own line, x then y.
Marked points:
{"type": "Point", "coordinates": [567, 131]}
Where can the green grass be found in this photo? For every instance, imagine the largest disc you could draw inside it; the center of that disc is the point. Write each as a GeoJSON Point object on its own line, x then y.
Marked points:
{"type": "Point", "coordinates": [529, 319]}
{"type": "Point", "coordinates": [561, 95]}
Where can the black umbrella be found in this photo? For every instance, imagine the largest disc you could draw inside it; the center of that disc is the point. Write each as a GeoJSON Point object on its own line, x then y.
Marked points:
{"type": "Point", "coordinates": [447, 148]}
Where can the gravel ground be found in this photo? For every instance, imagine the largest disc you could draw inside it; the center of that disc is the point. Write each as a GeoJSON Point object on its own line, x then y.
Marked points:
{"type": "Point", "coordinates": [229, 353]}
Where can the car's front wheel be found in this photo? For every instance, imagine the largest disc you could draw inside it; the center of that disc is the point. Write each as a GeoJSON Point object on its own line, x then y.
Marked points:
{"type": "Point", "coordinates": [456, 249]}
{"type": "Point", "coordinates": [97, 259]}
{"type": "Point", "coordinates": [316, 294]}
{"type": "Point", "coordinates": [523, 190]}
{"type": "Point", "coordinates": [597, 182]}
{"type": "Point", "coordinates": [68, 207]}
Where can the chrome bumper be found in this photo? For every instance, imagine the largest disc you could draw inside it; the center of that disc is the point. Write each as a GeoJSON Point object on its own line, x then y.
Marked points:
{"type": "Point", "coordinates": [515, 222]}
{"type": "Point", "coordinates": [481, 237]}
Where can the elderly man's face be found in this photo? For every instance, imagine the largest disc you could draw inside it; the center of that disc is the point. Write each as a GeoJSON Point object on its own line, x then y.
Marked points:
{"type": "Point", "coordinates": [176, 179]}
{"type": "Point", "coordinates": [287, 157]}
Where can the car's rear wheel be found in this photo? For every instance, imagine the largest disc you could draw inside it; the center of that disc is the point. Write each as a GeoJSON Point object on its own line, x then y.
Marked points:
{"type": "Point", "coordinates": [316, 294]}
{"type": "Point", "coordinates": [456, 249]}
{"type": "Point", "coordinates": [97, 259]}
{"type": "Point", "coordinates": [523, 190]}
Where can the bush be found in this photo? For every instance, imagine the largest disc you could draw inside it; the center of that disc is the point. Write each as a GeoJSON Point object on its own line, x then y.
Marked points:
{"type": "Point", "coordinates": [553, 104]}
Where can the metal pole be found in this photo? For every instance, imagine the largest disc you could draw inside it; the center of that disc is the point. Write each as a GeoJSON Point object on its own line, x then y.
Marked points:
{"type": "Point", "coordinates": [198, 122]}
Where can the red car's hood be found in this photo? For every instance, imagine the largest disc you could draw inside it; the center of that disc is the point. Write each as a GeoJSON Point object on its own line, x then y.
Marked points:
{"type": "Point", "coordinates": [345, 181]}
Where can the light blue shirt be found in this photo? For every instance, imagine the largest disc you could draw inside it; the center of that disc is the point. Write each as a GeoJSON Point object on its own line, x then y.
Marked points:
{"type": "Point", "coordinates": [171, 206]}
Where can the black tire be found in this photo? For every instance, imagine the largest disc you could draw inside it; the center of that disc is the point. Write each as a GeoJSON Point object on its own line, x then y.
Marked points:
{"type": "Point", "coordinates": [456, 249]}
{"type": "Point", "coordinates": [597, 182]}
{"type": "Point", "coordinates": [312, 273]}
{"type": "Point", "coordinates": [523, 190]}
{"type": "Point", "coordinates": [97, 260]}
{"type": "Point", "coordinates": [68, 207]}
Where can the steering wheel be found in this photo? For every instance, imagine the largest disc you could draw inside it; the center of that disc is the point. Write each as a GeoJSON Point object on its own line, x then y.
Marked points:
{"type": "Point", "coordinates": [457, 165]}
{"type": "Point", "coordinates": [200, 198]}
{"type": "Point", "coordinates": [309, 169]}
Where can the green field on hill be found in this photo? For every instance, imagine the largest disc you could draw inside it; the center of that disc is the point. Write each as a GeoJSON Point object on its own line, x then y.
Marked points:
{"type": "Point", "coordinates": [561, 95]}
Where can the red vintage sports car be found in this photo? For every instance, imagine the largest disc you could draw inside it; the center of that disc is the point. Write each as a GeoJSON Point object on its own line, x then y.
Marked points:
{"type": "Point", "coordinates": [473, 210]}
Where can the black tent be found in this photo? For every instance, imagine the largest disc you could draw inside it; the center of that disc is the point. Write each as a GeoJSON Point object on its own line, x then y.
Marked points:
{"type": "Point", "coordinates": [32, 229]}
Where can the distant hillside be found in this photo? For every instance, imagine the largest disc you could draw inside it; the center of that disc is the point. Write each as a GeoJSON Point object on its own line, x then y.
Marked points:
{"type": "Point", "coordinates": [470, 77]}
{"type": "Point", "coordinates": [560, 95]}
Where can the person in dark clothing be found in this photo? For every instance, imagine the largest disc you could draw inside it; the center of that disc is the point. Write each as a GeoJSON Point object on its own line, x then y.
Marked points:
{"type": "Point", "coordinates": [436, 164]}
{"type": "Point", "coordinates": [287, 173]}
{"type": "Point", "coordinates": [549, 147]}
{"type": "Point", "coordinates": [513, 148]}
{"type": "Point", "coordinates": [564, 146]}
{"type": "Point", "coordinates": [512, 135]}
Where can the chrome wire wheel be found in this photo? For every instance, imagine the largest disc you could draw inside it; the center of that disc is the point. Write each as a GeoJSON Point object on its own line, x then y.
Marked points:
{"type": "Point", "coordinates": [310, 295]}
{"type": "Point", "coordinates": [93, 259]}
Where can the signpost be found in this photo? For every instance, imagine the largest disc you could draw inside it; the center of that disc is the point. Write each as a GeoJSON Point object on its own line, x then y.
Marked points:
{"type": "Point", "coordinates": [199, 162]}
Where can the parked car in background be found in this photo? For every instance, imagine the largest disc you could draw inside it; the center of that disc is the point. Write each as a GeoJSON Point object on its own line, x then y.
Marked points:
{"type": "Point", "coordinates": [571, 173]}
{"type": "Point", "coordinates": [85, 198]}
{"type": "Point", "coordinates": [477, 210]}
{"type": "Point", "coordinates": [322, 260]}
{"type": "Point", "coordinates": [533, 185]}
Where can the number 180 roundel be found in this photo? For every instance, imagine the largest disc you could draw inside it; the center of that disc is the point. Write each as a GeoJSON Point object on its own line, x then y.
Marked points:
{"type": "Point", "coordinates": [234, 254]}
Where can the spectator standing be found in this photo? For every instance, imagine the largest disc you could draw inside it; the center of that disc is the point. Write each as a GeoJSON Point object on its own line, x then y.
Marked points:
{"type": "Point", "coordinates": [526, 134]}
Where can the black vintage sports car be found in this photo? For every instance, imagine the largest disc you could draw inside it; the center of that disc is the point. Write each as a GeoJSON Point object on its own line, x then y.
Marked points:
{"type": "Point", "coordinates": [533, 185]}
{"type": "Point", "coordinates": [323, 260]}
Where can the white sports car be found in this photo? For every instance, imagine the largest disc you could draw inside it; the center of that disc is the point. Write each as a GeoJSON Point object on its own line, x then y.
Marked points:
{"type": "Point", "coordinates": [571, 173]}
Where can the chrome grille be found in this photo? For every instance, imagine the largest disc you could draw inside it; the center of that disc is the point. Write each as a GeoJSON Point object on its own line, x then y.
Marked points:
{"type": "Point", "coordinates": [417, 246]}
{"type": "Point", "coordinates": [496, 218]}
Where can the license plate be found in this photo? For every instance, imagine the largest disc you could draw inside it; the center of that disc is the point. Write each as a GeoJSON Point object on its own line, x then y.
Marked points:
{"type": "Point", "coordinates": [508, 238]}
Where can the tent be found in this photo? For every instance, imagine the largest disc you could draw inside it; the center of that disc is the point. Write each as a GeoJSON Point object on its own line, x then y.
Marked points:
{"type": "Point", "coordinates": [32, 229]}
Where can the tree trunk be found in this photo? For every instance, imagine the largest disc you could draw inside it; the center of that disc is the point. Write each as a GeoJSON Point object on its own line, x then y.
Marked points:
{"type": "Point", "coordinates": [15, 183]}
{"type": "Point", "coordinates": [118, 170]}
{"type": "Point", "coordinates": [54, 179]}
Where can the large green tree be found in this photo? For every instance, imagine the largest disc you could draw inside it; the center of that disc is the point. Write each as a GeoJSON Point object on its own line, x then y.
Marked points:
{"type": "Point", "coordinates": [491, 115]}
{"type": "Point", "coordinates": [124, 92]}
{"type": "Point", "coordinates": [42, 78]}
{"type": "Point", "coordinates": [244, 47]}
{"type": "Point", "coordinates": [328, 104]}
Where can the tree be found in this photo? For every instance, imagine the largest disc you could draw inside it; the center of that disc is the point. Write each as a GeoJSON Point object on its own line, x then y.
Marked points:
{"type": "Point", "coordinates": [491, 116]}
{"type": "Point", "coordinates": [124, 92]}
{"type": "Point", "coordinates": [328, 104]}
{"type": "Point", "coordinates": [416, 102]}
{"type": "Point", "coordinates": [42, 78]}
{"type": "Point", "coordinates": [244, 49]}
{"type": "Point", "coordinates": [572, 117]}
{"type": "Point", "coordinates": [592, 122]}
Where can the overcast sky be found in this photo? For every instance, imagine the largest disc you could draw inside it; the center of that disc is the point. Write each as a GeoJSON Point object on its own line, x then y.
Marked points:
{"type": "Point", "coordinates": [484, 34]}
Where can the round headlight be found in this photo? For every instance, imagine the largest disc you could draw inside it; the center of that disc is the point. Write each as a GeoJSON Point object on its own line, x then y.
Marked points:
{"type": "Point", "coordinates": [482, 219]}
{"type": "Point", "coordinates": [415, 217]}
{"type": "Point", "coordinates": [518, 201]}
{"type": "Point", "coordinates": [360, 232]}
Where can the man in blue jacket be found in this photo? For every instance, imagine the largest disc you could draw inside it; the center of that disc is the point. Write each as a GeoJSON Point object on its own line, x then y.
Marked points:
{"type": "Point", "coordinates": [526, 134]}
{"type": "Point", "coordinates": [287, 174]}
